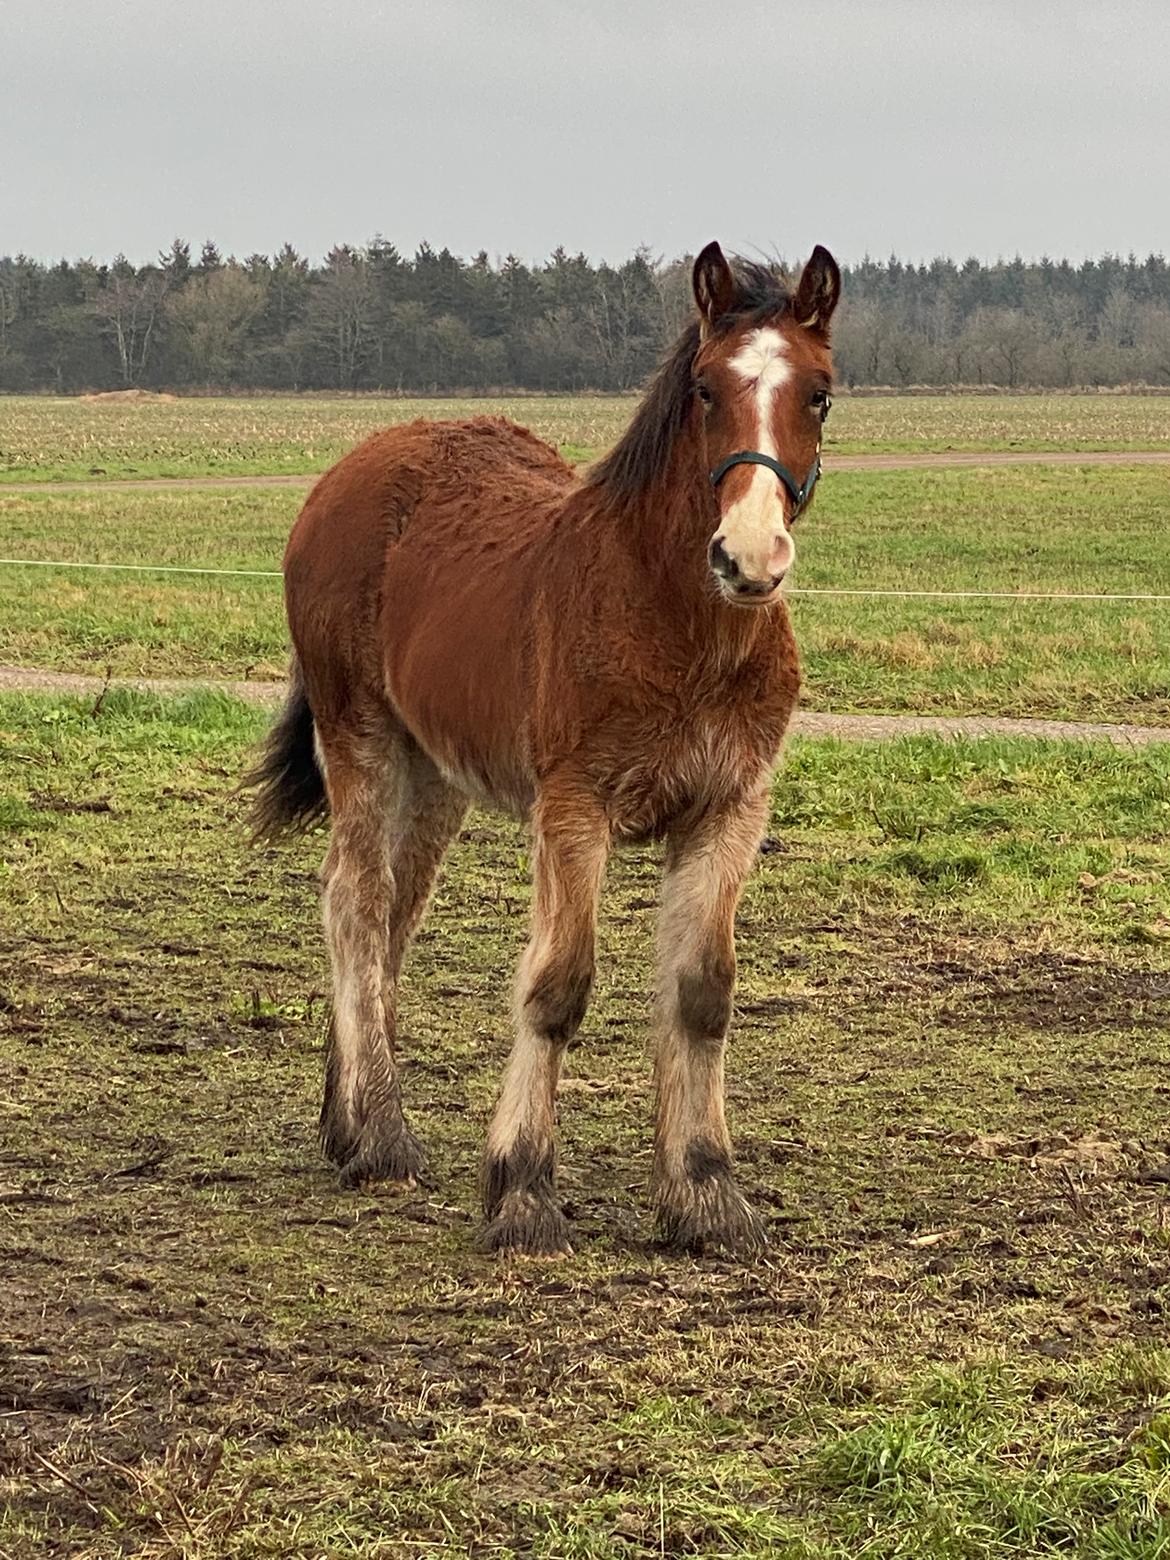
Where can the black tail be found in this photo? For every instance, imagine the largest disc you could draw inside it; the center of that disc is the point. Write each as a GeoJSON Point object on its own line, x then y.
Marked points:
{"type": "Point", "coordinates": [288, 784]}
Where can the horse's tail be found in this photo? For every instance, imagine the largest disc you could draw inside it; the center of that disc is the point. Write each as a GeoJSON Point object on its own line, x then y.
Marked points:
{"type": "Point", "coordinates": [287, 780]}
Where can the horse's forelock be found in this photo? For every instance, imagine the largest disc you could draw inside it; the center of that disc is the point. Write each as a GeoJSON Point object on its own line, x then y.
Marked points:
{"type": "Point", "coordinates": [761, 292]}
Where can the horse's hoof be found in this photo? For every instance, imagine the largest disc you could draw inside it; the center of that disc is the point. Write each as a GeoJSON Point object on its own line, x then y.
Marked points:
{"type": "Point", "coordinates": [528, 1225]}
{"type": "Point", "coordinates": [709, 1217]}
{"type": "Point", "coordinates": [383, 1161]}
{"type": "Point", "coordinates": [370, 1184]}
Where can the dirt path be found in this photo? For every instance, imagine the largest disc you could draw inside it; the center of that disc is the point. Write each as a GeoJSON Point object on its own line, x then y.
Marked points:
{"type": "Point", "coordinates": [809, 723]}
{"type": "Point", "coordinates": [871, 728]}
{"type": "Point", "coordinates": [902, 462]}
{"type": "Point", "coordinates": [890, 462]}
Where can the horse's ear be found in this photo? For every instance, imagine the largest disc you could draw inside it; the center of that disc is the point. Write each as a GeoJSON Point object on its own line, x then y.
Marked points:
{"type": "Point", "coordinates": [714, 286]}
{"type": "Point", "coordinates": [817, 292]}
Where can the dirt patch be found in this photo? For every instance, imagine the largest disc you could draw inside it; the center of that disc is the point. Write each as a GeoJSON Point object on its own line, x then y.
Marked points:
{"type": "Point", "coordinates": [1060, 994]}
{"type": "Point", "coordinates": [129, 397]}
{"type": "Point", "coordinates": [976, 987]}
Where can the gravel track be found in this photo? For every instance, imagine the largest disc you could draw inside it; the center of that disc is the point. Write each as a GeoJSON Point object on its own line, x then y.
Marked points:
{"type": "Point", "coordinates": [891, 462]}
{"type": "Point", "coordinates": [809, 723]}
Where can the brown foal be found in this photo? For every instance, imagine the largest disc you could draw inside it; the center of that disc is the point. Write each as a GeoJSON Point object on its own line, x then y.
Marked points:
{"type": "Point", "coordinates": [610, 657]}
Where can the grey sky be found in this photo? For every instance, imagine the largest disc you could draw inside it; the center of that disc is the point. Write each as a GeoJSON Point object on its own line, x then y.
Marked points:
{"type": "Point", "coordinates": [918, 126]}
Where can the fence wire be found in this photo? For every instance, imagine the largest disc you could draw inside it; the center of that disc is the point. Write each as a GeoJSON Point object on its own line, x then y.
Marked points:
{"type": "Point", "coordinates": [796, 590]}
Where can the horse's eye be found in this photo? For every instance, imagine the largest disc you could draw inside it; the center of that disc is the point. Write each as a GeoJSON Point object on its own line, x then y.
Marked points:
{"type": "Point", "coordinates": [704, 394]}
{"type": "Point", "coordinates": [821, 401]}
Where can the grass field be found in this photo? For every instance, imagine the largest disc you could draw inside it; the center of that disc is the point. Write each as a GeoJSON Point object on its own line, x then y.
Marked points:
{"type": "Point", "coordinates": [1030, 528]}
{"type": "Point", "coordinates": [42, 439]}
{"type": "Point", "coordinates": [948, 1074]}
{"type": "Point", "coordinates": [948, 1088]}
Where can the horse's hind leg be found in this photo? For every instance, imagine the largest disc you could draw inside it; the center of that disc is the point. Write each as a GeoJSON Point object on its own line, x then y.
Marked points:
{"type": "Point", "coordinates": [698, 1202]}
{"type": "Point", "coordinates": [393, 817]}
{"type": "Point", "coordinates": [552, 990]}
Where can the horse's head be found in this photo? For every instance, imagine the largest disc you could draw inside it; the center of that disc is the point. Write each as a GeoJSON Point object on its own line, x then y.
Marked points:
{"type": "Point", "coordinates": [762, 377]}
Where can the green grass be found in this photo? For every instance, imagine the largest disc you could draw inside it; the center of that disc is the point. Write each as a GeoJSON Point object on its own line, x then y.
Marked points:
{"type": "Point", "coordinates": [47, 439]}
{"type": "Point", "coordinates": [147, 623]}
{"type": "Point", "coordinates": [947, 1086]}
{"type": "Point", "coordinates": [1088, 530]}
{"type": "Point", "coordinates": [1037, 528]}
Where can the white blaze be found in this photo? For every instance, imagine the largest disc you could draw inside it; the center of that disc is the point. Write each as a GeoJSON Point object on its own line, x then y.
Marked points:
{"type": "Point", "coordinates": [753, 528]}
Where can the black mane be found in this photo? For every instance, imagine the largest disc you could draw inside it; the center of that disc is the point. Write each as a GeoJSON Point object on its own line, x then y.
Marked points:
{"type": "Point", "coordinates": [641, 457]}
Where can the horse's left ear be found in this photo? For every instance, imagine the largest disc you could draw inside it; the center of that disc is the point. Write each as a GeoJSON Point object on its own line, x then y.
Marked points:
{"type": "Point", "coordinates": [817, 292]}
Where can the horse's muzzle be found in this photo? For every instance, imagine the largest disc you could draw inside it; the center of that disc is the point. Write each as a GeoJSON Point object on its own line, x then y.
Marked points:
{"type": "Point", "coordinates": [736, 586]}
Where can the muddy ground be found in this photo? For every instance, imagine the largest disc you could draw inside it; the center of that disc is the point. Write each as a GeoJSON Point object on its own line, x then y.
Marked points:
{"type": "Point", "coordinates": [956, 1127]}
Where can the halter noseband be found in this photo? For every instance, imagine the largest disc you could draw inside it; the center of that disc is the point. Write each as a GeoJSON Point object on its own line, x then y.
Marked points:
{"type": "Point", "coordinates": [799, 494]}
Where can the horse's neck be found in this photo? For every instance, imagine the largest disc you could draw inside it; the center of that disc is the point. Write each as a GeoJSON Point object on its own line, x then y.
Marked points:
{"type": "Point", "coordinates": [673, 529]}
{"type": "Point", "coordinates": [670, 524]}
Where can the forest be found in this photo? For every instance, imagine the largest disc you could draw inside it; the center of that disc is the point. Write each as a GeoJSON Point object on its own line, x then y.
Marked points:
{"type": "Point", "coordinates": [371, 318]}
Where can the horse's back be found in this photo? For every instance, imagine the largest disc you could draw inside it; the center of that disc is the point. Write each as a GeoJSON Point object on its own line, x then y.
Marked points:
{"type": "Point", "coordinates": [382, 484]}
{"type": "Point", "coordinates": [425, 475]}
{"type": "Point", "coordinates": [407, 572]}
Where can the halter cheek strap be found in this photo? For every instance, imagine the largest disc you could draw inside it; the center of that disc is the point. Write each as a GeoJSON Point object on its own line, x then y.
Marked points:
{"type": "Point", "coordinates": [800, 493]}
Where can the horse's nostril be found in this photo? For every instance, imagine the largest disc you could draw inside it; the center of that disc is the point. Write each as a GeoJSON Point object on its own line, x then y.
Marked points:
{"type": "Point", "coordinates": [722, 563]}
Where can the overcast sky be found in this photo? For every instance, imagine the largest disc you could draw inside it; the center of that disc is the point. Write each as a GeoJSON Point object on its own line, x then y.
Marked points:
{"type": "Point", "coordinates": [918, 126]}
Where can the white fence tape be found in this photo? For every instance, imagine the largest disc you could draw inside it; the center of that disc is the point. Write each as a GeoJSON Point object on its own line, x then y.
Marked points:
{"type": "Point", "coordinates": [809, 590]}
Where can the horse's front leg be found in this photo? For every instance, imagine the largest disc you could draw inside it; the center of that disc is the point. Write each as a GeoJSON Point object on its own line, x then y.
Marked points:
{"type": "Point", "coordinates": [571, 842]}
{"type": "Point", "coordinates": [697, 1201]}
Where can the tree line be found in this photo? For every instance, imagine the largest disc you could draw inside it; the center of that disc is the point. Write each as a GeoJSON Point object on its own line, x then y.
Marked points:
{"type": "Point", "coordinates": [371, 318]}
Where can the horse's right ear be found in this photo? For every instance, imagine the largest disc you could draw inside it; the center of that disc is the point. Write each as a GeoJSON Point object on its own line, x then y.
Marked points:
{"type": "Point", "coordinates": [714, 286]}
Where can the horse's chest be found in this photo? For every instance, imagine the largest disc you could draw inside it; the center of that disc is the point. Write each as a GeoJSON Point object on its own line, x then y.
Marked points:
{"type": "Point", "coordinates": [695, 760]}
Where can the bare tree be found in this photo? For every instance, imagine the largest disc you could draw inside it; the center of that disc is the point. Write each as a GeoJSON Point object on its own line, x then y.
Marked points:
{"type": "Point", "coordinates": [342, 314]}
{"type": "Point", "coordinates": [1154, 332]}
{"type": "Point", "coordinates": [9, 305]}
{"type": "Point", "coordinates": [128, 304]}
{"type": "Point", "coordinates": [1005, 342]}
{"type": "Point", "coordinates": [861, 339]}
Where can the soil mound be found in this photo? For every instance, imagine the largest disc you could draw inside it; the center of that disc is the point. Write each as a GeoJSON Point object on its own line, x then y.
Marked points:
{"type": "Point", "coordinates": [129, 395]}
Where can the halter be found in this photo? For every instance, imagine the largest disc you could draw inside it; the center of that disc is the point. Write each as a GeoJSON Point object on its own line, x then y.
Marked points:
{"type": "Point", "coordinates": [799, 495]}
